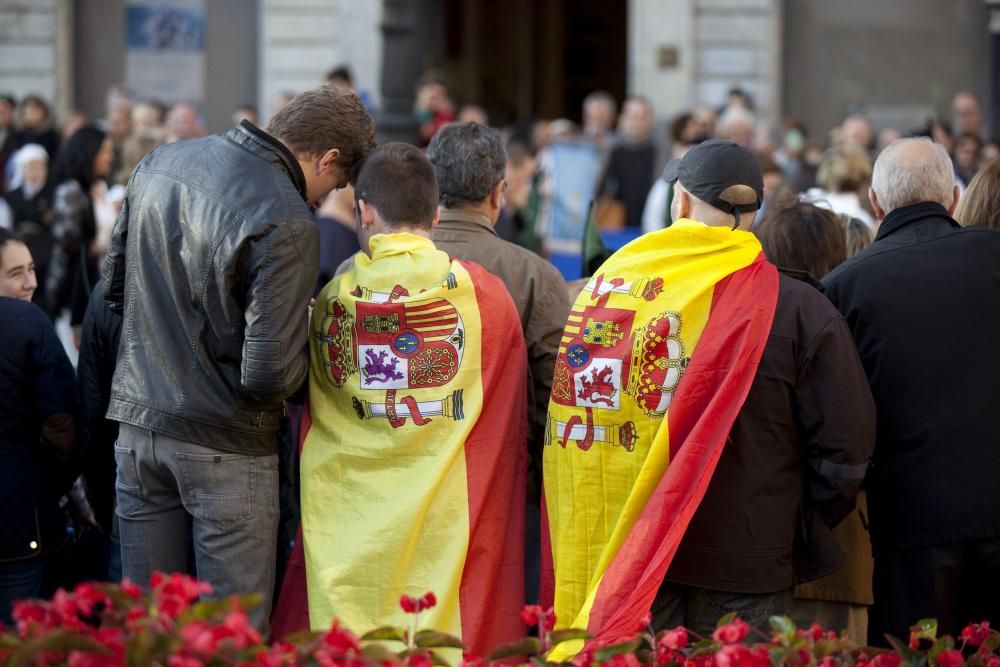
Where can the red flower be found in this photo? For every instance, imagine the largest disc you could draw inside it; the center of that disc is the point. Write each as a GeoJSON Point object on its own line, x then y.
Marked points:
{"type": "Point", "coordinates": [734, 655]}
{"type": "Point", "coordinates": [181, 660]}
{"type": "Point", "coordinates": [643, 624]}
{"type": "Point", "coordinates": [976, 633]}
{"type": "Point", "coordinates": [674, 639]}
{"type": "Point", "coordinates": [428, 601]}
{"type": "Point", "coordinates": [623, 660]}
{"type": "Point", "coordinates": [885, 660]}
{"type": "Point", "coordinates": [341, 640]}
{"type": "Point", "coordinates": [130, 589]}
{"type": "Point", "coordinates": [950, 658]}
{"type": "Point", "coordinates": [409, 605]}
{"type": "Point", "coordinates": [471, 660]}
{"type": "Point", "coordinates": [533, 614]}
{"type": "Point", "coordinates": [419, 660]}
{"type": "Point", "coordinates": [827, 661]}
{"type": "Point", "coordinates": [993, 662]}
{"type": "Point", "coordinates": [732, 632]}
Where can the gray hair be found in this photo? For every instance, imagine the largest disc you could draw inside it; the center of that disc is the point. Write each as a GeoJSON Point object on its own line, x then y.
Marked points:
{"type": "Point", "coordinates": [469, 159]}
{"type": "Point", "coordinates": [913, 170]}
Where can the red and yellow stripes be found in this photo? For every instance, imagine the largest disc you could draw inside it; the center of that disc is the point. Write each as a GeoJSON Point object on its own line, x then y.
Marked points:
{"type": "Point", "coordinates": [615, 515]}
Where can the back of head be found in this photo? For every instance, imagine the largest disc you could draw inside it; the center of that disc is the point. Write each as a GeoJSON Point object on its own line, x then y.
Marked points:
{"type": "Point", "coordinates": [803, 237]}
{"type": "Point", "coordinates": [399, 181]}
{"type": "Point", "coordinates": [980, 203]}
{"type": "Point", "coordinates": [324, 118]}
{"type": "Point", "coordinates": [75, 160]}
{"type": "Point", "coordinates": [857, 234]}
{"type": "Point", "coordinates": [470, 160]}
{"type": "Point", "coordinates": [911, 171]}
{"type": "Point", "coordinates": [846, 169]}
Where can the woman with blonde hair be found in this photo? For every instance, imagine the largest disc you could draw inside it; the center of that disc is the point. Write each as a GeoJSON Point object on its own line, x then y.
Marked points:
{"type": "Point", "coordinates": [978, 205]}
{"type": "Point", "coordinates": [843, 177]}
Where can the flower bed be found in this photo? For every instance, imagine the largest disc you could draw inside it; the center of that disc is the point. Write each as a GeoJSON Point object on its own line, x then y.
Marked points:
{"type": "Point", "coordinates": [105, 625]}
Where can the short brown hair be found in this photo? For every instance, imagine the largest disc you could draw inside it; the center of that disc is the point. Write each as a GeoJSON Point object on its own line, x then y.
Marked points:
{"type": "Point", "coordinates": [978, 205]}
{"type": "Point", "coordinates": [400, 182]}
{"type": "Point", "coordinates": [324, 118]}
{"type": "Point", "coordinates": [802, 237]}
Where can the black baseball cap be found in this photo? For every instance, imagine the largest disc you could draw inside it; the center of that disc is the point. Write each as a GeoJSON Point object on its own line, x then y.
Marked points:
{"type": "Point", "coordinates": [709, 171]}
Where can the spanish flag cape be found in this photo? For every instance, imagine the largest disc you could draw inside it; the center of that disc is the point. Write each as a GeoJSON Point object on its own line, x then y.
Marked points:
{"type": "Point", "coordinates": [412, 471]}
{"type": "Point", "coordinates": [656, 360]}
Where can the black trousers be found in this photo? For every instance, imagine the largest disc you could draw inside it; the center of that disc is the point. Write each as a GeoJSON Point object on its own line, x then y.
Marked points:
{"type": "Point", "coordinates": [954, 583]}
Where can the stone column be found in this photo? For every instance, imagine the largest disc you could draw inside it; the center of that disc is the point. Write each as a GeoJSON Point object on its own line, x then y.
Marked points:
{"type": "Point", "coordinates": [400, 70]}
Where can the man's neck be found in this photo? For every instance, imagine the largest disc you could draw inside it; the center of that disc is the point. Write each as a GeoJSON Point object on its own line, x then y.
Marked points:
{"type": "Point", "coordinates": [480, 209]}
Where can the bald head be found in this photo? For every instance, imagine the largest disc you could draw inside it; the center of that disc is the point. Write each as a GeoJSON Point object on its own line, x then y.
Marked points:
{"type": "Point", "coordinates": [911, 171]}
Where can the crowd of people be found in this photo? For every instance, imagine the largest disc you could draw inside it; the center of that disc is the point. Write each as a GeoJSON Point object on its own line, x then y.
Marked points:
{"type": "Point", "coordinates": [332, 373]}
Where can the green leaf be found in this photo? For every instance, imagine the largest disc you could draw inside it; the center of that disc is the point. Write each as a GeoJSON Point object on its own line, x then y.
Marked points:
{"type": "Point", "coordinates": [527, 647]}
{"type": "Point", "coordinates": [567, 635]}
{"type": "Point", "coordinates": [704, 647]}
{"type": "Point", "coordinates": [826, 647]}
{"type": "Point", "coordinates": [726, 620]}
{"type": "Point", "coordinates": [991, 644]}
{"type": "Point", "coordinates": [379, 653]}
{"type": "Point", "coordinates": [606, 653]}
{"type": "Point", "coordinates": [385, 633]}
{"type": "Point", "coordinates": [925, 628]}
{"type": "Point", "coordinates": [57, 641]}
{"type": "Point", "coordinates": [435, 639]}
{"type": "Point", "coordinates": [303, 637]}
{"type": "Point", "coordinates": [784, 625]}
{"type": "Point", "coordinates": [435, 658]}
{"type": "Point", "coordinates": [9, 641]}
{"type": "Point", "coordinates": [944, 644]}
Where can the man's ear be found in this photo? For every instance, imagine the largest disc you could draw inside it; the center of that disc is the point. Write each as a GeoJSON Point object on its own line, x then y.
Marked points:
{"type": "Point", "coordinates": [328, 162]}
{"type": "Point", "coordinates": [496, 194]}
{"type": "Point", "coordinates": [367, 214]}
{"type": "Point", "coordinates": [955, 194]}
{"type": "Point", "coordinates": [873, 198]}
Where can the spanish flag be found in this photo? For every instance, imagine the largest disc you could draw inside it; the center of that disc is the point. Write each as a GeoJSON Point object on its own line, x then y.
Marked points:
{"type": "Point", "coordinates": [655, 362]}
{"type": "Point", "coordinates": [412, 473]}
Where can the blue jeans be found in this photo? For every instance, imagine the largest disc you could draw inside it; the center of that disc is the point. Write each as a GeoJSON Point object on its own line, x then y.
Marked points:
{"type": "Point", "coordinates": [19, 580]}
{"type": "Point", "coordinates": [172, 495]}
{"type": "Point", "coordinates": [699, 609]}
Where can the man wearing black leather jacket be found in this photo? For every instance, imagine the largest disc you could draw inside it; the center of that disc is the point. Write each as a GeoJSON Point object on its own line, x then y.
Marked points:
{"type": "Point", "coordinates": [212, 262]}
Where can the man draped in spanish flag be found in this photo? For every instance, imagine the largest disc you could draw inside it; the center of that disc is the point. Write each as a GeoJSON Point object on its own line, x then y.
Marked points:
{"type": "Point", "coordinates": [656, 360]}
{"type": "Point", "coordinates": [413, 467]}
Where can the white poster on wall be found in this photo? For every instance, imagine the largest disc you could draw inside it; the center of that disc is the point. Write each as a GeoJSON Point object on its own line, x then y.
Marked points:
{"type": "Point", "coordinates": [165, 49]}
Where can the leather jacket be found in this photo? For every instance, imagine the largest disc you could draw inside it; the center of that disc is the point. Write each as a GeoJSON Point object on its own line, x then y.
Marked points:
{"type": "Point", "coordinates": [212, 261]}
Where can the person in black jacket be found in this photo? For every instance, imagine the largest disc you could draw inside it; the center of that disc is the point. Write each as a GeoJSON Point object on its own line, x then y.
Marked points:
{"type": "Point", "coordinates": [922, 303]}
{"type": "Point", "coordinates": [99, 338]}
{"type": "Point", "coordinates": [37, 439]}
{"type": "Point", "coordinates": [796, 454]}
{"type": "Point", "coordinates": [212, 263]}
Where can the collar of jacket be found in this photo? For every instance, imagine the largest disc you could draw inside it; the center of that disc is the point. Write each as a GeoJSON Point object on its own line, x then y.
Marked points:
{"type": "Point", "coordinates": [450, 215]}
{"type": "Point", "coordinates": [904, 215]}
{"type": "Point", "coordinates": [262, 144]}
{"type": "Point", "coordinates": [802, 276]}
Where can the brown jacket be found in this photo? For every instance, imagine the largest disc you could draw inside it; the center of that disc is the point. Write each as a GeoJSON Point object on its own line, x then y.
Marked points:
{"type": "Point", "coordinates": [538, 291]}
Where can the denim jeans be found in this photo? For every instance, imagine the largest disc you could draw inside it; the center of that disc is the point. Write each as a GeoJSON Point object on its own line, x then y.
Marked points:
{"type": "Point", "coordinates": [173, 495]}
{"type": "Point", "coordinates": [19, 580]}
{"type": "Point", "coordinates": [699, 609]}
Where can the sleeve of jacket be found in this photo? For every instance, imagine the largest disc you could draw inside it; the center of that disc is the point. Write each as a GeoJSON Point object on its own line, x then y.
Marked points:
{"type": "Point", "coordinates": [837, 418]}
{"type": "Point", "coordinates": [542, 335]}
{"type": "Point", "coordinates": [55, 401]}
{"type": "Point", "coordinates": [98, 350]}
{"type": "Point", "coordinates": [283, 268]}
{"type": "Point", "coordinates": [113, 271]}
